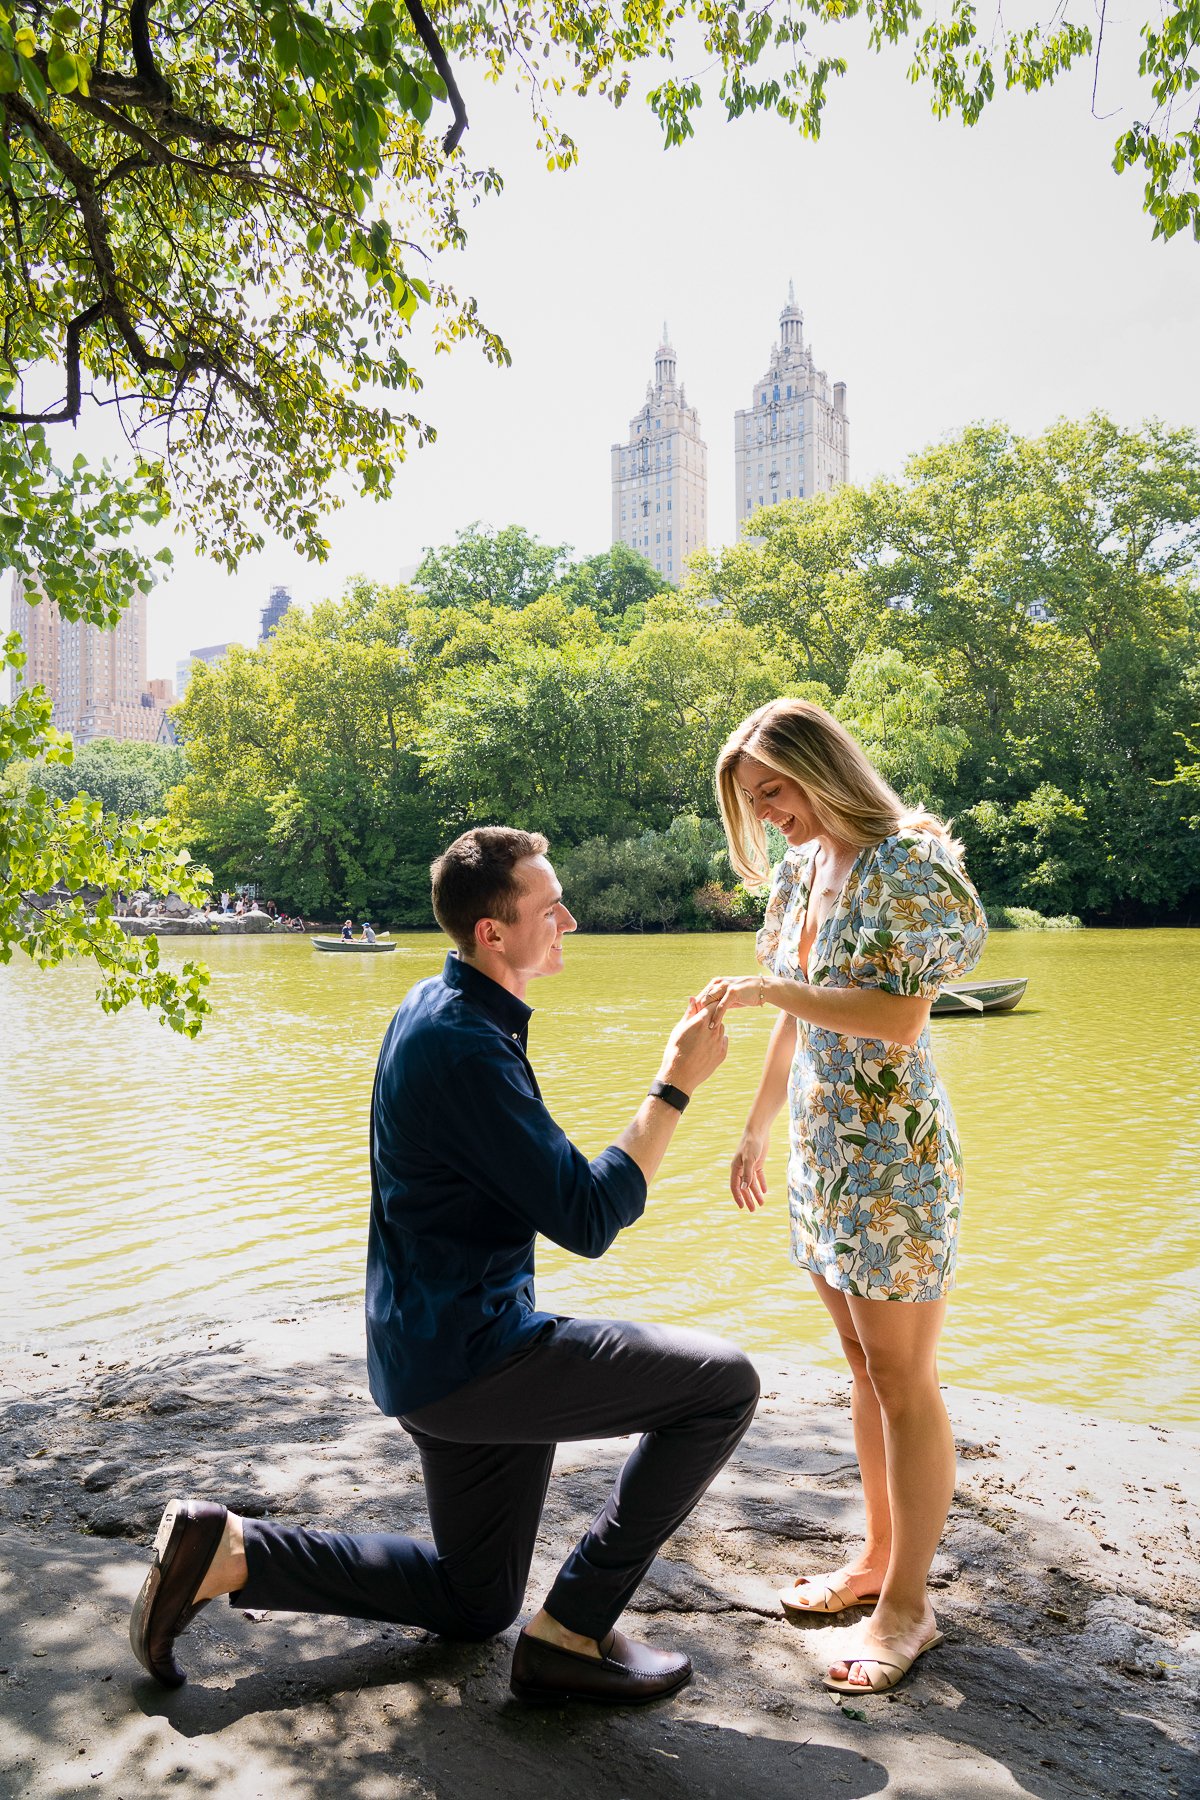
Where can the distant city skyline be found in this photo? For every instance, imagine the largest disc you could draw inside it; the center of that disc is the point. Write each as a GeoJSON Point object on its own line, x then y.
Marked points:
{"type": "Point", "coordinates": [95, 678]}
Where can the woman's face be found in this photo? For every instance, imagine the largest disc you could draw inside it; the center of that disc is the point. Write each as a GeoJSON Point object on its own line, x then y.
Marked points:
{"type": "Point", "coordinates": [777, 799]}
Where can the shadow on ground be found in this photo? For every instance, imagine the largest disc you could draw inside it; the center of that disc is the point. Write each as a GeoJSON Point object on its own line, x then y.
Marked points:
{"type": "Point", "coordinates": [1063, 1673]}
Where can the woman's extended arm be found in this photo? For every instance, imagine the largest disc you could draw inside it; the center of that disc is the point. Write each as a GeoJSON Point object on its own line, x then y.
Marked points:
{"type": "Point", "coordinates": [852, 1011]}
{"type": "Point", "coordinates": [747, 1172]}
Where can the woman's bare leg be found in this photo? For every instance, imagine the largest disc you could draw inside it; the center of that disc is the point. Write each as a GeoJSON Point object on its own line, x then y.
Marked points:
{"type": "Point", "coordinates": [864, 1572]}
{"type": "Point", "coordinates": [899, 1343]}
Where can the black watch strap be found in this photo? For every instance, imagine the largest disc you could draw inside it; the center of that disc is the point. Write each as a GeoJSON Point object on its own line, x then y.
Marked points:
{"type": "Point", "coordinates": [662, 1090]}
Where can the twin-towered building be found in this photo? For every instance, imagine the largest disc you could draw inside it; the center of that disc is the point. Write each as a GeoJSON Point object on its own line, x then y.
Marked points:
{"type": "Point", "coordinates": [791, 442]}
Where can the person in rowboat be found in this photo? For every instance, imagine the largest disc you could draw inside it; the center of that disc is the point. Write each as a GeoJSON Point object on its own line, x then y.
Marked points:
{"type": "Point", "coordinates": [869, 914]}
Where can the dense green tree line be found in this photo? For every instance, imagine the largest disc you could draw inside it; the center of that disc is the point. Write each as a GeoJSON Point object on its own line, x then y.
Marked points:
{"type": "Point", "coordinates": [331, 764]}
{"type": "Point", "coordinates": [1011, 631]}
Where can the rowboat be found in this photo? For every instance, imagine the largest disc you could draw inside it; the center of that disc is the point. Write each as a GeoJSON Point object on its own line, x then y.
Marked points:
{"type": "Point", "coordinates": [355, 946]}
{"type": "Point", "coordinates": [980, 996]}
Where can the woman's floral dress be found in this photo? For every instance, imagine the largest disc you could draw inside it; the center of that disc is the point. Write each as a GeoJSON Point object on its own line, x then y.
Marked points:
{"type": "Point", "coordinates": [874, 1172]}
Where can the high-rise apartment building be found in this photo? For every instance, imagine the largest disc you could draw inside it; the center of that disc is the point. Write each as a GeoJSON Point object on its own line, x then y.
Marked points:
{"type": "Point", "coordinates": [793, 441]}
{"type": "Point", "coordinates": [273, 611]}
{"type": "Point", "coordinates": [211, 654]}
{"type": "Point", "coordinates": [660, 477]}
{"type": "Point", "coordinates": [96, 678]}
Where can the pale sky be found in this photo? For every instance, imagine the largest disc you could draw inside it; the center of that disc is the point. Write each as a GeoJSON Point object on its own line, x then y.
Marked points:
{"type": "Point", "coordinates": [945, 275]}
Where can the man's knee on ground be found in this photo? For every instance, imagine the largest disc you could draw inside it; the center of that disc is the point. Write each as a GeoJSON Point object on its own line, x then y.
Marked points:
{"type": "Point", "coordinates": [483, 1617]}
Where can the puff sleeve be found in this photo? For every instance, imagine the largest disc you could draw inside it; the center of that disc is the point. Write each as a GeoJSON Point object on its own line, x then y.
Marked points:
{"type": "Point", "coordinates": [920, 921]}
{"type": "Point", "coordinates": [784, 890]}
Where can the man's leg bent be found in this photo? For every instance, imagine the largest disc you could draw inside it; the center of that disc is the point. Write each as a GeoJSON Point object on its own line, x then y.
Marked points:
{"type": "Point", "coordinates": [485, 1502]}
{"type": "Point", "coordinates": [693, 1397]}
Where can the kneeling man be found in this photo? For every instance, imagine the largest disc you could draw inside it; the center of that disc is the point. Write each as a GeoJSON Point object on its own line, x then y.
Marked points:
{"type": "Point", "coordinates": [467, 1166]}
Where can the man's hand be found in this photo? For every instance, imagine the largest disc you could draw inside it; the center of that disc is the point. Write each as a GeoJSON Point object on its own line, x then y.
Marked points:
{"type": "Point", "coordinates": [724, 991]}
{"type": "Point", "coordinates": [695, 1049]}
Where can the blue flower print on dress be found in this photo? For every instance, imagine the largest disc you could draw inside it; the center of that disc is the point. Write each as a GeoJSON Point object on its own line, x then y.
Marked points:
{"type": "Point", "coordinates": [944, 918]}
{"type": "Point", "coordinates": [883, 1140]}
{"type": "Point", "coordinates": [892, 855]}
{"type": "Point", "coordinates": [874, 1264]}
{"type": "Point", "coordinates": [854, 1223]}
{"type": "Point", "coordinates": [826, 1147]}
{"type": "Point", "coordinates": [919, 1184]}
{"type": "Point", "coordinates": [837, 1103]}
{"type": "Point", "coordinates": [871, 1119]}
{"type": "Point", "coordinates": [861, 1177]}
{"type": "Point", "coordinates": [836, 1064]}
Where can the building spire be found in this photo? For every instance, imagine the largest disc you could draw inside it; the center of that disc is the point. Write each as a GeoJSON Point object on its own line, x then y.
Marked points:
{"type": "Point", "coordinates": [664, 361]}
{"type": "Point", "coordinates": [791, 322]}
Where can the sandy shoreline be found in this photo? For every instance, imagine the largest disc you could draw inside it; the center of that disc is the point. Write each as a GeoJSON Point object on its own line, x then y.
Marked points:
{"type": "Point", "coordinates": [1068, 1586]}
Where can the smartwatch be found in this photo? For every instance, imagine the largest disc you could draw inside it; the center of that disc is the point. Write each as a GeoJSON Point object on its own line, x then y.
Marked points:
{"type": "Point", "coordinates": [662, 1090]}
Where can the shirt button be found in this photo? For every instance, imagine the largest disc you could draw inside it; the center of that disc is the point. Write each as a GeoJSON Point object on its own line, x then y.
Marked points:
{"type": "Point", "coordinates": [516, 1037]}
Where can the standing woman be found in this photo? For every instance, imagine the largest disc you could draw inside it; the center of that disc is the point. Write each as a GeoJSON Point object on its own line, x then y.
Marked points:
{"type": "Point", "coordinates": [869, 914]}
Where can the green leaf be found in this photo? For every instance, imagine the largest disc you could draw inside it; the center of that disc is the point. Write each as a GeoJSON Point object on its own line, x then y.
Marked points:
{"type": "Point", "coordinates": [64, 77]}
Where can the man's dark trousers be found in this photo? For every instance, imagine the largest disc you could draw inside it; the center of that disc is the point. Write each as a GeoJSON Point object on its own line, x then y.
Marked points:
{"type": "Point", "coordinates": [486, 1452]}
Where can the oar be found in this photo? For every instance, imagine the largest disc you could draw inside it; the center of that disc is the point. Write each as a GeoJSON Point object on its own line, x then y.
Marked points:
{"type": "Point", "coordinates": [966, 999]}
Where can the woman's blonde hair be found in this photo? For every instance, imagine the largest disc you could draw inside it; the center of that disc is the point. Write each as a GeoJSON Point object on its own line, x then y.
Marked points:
{"type": "Point", "coordinates": [847, 793]}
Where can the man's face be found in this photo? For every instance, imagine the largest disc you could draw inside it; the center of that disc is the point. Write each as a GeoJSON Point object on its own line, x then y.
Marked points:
{"type": "Point", "coordinates": [533, 943]}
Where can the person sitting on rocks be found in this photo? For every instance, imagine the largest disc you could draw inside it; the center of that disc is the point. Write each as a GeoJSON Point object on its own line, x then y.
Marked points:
{"type": "Point", "coordinates": [467, 1167]}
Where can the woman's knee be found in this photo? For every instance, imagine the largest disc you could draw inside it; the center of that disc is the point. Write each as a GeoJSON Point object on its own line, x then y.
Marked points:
{"type": "Point", "coordinates": [855, 1355]}
{"type": "Point", "coordinates": [901, 1386]}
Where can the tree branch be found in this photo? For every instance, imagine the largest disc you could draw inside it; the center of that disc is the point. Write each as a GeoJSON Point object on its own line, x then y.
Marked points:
{"type": "Point", "coordinates": [441, 63]}
{"type": "Point", "coordinates": [143, 52]}
{"type": "Point", "coordinates": [70, 410]}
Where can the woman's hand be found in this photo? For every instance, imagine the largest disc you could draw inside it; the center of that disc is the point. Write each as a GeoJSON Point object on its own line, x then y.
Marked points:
{"type": "Point", "coordinates": [748, 1172]}
{"type": "Point", "coordinates": [724, 991]}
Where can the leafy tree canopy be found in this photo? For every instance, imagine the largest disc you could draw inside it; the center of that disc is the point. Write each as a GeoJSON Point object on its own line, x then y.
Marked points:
{"type": "Point", "coordinates": [129, 780]}
{"type": "Point", "coordinates": [490, 568]}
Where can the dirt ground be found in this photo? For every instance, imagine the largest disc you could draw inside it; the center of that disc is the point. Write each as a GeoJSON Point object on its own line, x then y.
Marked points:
{"type": "Point", "coordinates": [1067, 1586]}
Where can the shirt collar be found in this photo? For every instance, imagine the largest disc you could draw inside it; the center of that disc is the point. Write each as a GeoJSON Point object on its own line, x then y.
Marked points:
{"type": "Point", "coordinates": [509, 1013]}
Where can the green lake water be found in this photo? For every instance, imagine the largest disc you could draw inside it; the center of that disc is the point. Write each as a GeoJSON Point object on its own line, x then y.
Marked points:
{"type": "Point", "coordinates": [148, 1183]}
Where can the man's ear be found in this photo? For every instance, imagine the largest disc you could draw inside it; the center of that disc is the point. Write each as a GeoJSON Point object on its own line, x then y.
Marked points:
{"type": "Point", "coordinates": [488, 935]}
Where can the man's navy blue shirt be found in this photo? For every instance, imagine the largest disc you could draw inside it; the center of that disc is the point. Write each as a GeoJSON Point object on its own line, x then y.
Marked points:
{"type": "Point", "coordinates": [468, 1168]}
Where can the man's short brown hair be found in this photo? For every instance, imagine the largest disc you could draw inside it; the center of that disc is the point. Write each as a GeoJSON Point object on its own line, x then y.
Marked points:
{"type": "Point", "coordinates": [474, 879]}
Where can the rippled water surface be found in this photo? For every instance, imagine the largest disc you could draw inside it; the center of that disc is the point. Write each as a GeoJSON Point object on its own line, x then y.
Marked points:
{"type": "Point", "coordinates": [148, 1182]}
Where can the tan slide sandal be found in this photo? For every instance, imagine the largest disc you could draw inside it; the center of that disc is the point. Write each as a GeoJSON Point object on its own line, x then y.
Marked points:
{"type": "Point", "coordinates": [883, 1673]}
{"type": "Point", "coordinates": [826, 1596]}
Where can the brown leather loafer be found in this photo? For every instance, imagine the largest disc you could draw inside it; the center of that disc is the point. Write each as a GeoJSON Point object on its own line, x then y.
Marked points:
{"type": "Point", "coordinates": [188, 1534]}
{"type": "Point", "coordinates": [627, 1674]}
